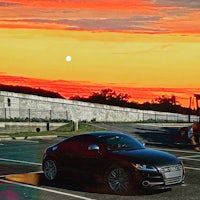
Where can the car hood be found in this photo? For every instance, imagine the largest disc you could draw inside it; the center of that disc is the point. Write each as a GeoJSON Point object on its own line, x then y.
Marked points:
{"type": "Point", "coordinates": [149, 156]}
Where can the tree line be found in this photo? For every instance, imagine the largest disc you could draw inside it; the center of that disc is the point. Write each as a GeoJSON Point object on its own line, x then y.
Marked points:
{"type": "Point", "coordinates": [29, 90]}
{"type": "Point", "coordinates": [110, 97]}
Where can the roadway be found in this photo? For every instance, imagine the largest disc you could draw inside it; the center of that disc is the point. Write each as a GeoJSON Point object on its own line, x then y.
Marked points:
{"type": "Point", "coordinates": [21, 175]}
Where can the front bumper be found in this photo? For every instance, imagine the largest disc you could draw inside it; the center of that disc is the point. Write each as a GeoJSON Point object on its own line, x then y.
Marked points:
{"type": "Point", "coordinates": [164, 177]}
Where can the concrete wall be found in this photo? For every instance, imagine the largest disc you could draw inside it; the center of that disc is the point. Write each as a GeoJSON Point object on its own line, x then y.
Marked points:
{"type": "Point", "coordinates": [31, 106]}
{"type": "Point", "coordinates": [14, 127]}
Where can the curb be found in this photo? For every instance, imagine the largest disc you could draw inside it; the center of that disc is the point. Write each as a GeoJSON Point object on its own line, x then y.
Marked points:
{"type": "Point", "coordinates": [166, 124]}
{"type": "Point", "coordinates": [27, 137]}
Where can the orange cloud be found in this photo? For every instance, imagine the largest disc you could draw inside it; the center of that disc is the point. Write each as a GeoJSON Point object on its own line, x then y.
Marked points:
{"type": "Point", "coordinates": [135, 16]}
{"type": "Point", "coordinates": [86, 4]}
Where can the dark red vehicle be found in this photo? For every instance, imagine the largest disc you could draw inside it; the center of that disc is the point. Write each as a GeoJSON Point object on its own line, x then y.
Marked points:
{"type": "Point", "coordinates": [190, 134]}
{"type": "Point", "coordinates": [115, 159]}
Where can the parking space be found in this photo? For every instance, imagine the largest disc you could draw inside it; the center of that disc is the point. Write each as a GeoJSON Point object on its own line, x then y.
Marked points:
{"type": "Point", "coordinates": [21, 175]}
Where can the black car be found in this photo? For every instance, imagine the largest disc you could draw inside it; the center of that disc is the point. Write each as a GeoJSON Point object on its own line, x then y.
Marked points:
{"type": "Point", "coordinates": [119, 161]}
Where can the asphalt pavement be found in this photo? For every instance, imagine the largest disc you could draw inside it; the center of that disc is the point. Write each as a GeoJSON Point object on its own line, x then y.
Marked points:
{"type": "Point", "coordinates": [21, 175]}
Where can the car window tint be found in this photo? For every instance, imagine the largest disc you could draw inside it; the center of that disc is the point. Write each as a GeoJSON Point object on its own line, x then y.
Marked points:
{"type": "Point", "coordinates": [120, 143]}
{"type": "Point", "coordinates": [77, 145]}
{"type": "Point", "coordinates": [71, 145]}
{"type": "Point", "coordinates": [85, 143]}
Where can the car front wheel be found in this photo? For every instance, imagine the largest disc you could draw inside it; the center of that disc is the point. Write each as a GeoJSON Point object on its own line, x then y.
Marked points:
{"type": "Point", "coordinates": [50, 169]}
{"type": "Point", "coordinates": [118, 180]}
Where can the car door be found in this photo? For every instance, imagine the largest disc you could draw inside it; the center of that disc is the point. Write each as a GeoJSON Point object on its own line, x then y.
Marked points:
{"type": "Point", "coordinates": [93, 161]}
{"type": "Point", "coordinates": [78, 160]}
{"type": "Point", "coordinates": [70, 155]}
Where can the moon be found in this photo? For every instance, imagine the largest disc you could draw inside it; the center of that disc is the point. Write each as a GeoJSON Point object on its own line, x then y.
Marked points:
{"type": "Point", "coordinates": [68, 58]}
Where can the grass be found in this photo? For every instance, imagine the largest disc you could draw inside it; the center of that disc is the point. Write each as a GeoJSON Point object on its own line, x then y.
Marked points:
{"type": "Point", "coordinates": [65, 130]}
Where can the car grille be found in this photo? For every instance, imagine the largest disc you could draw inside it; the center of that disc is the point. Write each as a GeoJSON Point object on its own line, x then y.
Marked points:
{"type": "Point", "coordinates": [172, 174]}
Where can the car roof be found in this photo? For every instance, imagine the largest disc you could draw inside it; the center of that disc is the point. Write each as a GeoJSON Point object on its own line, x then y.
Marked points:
{"type": "Point", "coordinates": [97, 134]}
{"type": "Point", "coordinates": [104, 133]}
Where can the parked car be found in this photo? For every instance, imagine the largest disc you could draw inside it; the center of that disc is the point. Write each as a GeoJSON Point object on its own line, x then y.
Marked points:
{"type": "Point", "coordinates": [118, 160]}
{"type": "Point", "coordinates": [190, 134]}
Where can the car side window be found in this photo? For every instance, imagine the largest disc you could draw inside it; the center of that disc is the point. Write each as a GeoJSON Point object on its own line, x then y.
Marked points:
{"type": "Point", "coordinates": [71, 146]}
{"type": "Point", "coordinates": [85, 142]}
{"type": "Point", "coordinates": [78, 145]}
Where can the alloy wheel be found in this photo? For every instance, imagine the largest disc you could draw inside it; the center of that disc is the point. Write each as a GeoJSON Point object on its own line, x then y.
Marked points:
{"type": "Point", "coordinates": [50, 169]}
{"type": "Point", "coordinates": [118, 181]}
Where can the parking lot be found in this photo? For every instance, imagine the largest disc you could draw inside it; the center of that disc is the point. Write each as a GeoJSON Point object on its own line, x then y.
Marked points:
{"type": "Point", "coordinates": [21, 174]}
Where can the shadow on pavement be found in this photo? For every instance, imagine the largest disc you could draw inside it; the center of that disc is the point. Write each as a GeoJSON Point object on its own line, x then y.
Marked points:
{"type": "Point", "coordinates": [38, 179]}
{"type": "Point", "coordinates": [162, 136]}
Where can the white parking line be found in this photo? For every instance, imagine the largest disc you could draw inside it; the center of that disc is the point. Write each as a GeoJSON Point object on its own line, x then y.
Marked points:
{"type": "Point", "coordinates": [182, 158]}
{"type": "Point", "coordinates": [31, 141]}
{"type": "Point", "coordinates": [190, 158]}
{"type": "Point", "coordinates": [46, 190]}
{"type": "Point", "coordinates": [177, 150]}
{"type": "Point", "coordinates": [20, 161]}
{"type": "Point", "coordinates": [193, 168]}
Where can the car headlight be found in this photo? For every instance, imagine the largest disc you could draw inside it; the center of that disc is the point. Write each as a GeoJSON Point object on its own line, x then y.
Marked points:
{"type": "Point", "coordinates": [143, 167]}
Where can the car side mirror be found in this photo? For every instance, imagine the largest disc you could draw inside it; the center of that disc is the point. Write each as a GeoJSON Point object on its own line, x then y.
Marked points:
{"type": "Point", "coordinates": [93, 147]}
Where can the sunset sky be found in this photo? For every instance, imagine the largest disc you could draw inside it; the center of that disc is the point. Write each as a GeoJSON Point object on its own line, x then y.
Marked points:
{"type": "Point", "coordinates": [121, 44]}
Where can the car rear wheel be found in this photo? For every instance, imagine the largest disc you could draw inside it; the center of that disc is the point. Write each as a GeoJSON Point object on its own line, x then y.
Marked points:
{"type": "Point", "coordinates": [50, 169]}
{"type": "Point", "coordinates": [118, 180]}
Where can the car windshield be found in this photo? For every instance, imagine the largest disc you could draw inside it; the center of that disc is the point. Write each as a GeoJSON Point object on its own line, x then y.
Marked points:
{"type": "Point", "coordinates": [120, 143]}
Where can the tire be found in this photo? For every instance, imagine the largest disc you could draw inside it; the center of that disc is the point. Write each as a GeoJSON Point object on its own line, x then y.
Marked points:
{"type": "Point", "coordinates": [119, 181]}
{"type": "Point", "coordinates": [50, 169]}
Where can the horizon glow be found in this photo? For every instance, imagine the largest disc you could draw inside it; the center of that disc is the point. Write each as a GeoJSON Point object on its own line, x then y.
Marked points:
{"type": "Point", "coordinates": [124, 44]}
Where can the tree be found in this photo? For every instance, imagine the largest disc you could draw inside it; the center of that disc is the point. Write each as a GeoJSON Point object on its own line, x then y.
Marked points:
{"type": "Point", "coordinates": [106, 96]}
{"type": "Point", "coordinates": [109, 96]}
{"type": "Point", "coordinates": [30, 90]}
{"type": "Point", "coordinates": [167, 100]}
